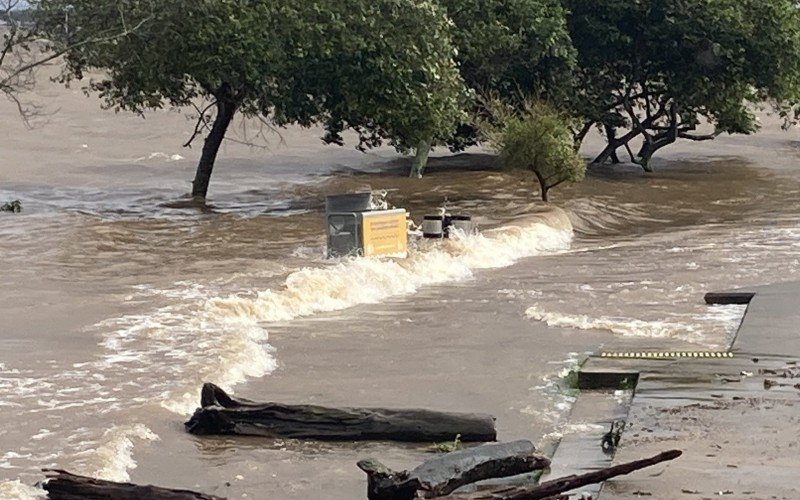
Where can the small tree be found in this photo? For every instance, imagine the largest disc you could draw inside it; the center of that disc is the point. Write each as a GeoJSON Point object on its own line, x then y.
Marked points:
{"type": "Point", "coordinates": [537, 138]}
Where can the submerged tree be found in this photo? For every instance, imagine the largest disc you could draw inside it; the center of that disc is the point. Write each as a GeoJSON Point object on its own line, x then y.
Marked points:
{"type": "Point", "coordinates": [656, 71]}
{"type": "Point", "coordinates": [383, 68]}
{"type": "Point", "coordinates": [535, 137]}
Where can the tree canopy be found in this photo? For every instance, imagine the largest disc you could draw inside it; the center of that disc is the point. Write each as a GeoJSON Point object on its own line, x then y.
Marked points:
{"type": "Point", "coordinates": [382, 68]}
{"type": "Point", "coordinates": [511, 47]}
{"type": "Point", "coordinates": [507, 49]}
{"type": "Point", "coordinates": [657, 70]}
{"type": "Point", "coordinates": [413, 72]}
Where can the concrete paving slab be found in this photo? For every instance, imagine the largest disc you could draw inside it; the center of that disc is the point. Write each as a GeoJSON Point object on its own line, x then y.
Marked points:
{"type": "Point", "coordinates": [580, 450]}
{"type": "Point", "coordinates": [736, 418]}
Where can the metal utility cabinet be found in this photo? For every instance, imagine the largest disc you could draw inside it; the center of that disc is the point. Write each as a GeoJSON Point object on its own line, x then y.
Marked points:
{"type": "Point", "coordinates": [355, 229]}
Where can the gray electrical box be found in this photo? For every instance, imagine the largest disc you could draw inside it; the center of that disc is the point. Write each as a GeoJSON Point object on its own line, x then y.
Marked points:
{"type": "Point", "coordinates": [343, 222]}
{"type": "Point", "coordinates": [344, 234]}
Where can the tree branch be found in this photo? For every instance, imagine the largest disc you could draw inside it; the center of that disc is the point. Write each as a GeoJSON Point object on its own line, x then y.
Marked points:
{"type": "Point", "coordinates": [581, 134]}
{"type": "Point", "coordinates": [21, 42]}
{"type": "Point", "coordinates": [64, 50]}
{"type": "Point", "coordinates": [201, 124]}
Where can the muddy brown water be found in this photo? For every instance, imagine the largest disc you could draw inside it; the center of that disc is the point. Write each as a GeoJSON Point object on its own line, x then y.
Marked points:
{"type": "Point", "coordinates": [118, 300]}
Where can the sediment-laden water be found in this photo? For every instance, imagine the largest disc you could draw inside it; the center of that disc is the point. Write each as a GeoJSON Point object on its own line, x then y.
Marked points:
{"type": "Point", "coordinates": [118, 300]}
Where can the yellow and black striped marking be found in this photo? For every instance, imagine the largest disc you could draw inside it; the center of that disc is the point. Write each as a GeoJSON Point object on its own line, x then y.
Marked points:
{"type": "Point", "coordinates": [667, 354]}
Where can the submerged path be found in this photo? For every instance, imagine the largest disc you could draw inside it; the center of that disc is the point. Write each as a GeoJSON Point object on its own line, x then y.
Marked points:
{"type": "Point", "coordinates": [735, 416]}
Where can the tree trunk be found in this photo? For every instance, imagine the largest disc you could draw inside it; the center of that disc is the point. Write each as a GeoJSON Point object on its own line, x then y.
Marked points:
{"type": "Point", "coordinates": [420, 159]}
{"type": "Point", "coordinates": [611, 136]}
{"type": "Point", "coordinates": [604, 155]}
{"type": "Point", "coordinates": [61, 485]}
{"type": "Point", "coordinates": [644, 158]}
{"type": "Point", "coordinates": [649, 148]}
{"type": "Point", "coordinates": [557, 486]}
{"type": "Point", "coordinates": [542, 185]}
{"type": "Point", "coordinates": [662, 139]}
{"type": "Point", "coordinates": [222, 414]}
{"type": "Point", "coordinates": [442, 475]}
{"type": "Point", "coordinates": [225, 112]}
{"type": "Point", "coordinates": [580, 135]}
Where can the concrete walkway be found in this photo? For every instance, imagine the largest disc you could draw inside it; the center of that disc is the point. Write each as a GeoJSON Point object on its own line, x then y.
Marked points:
{"type": "Point", "coordinates": [737, 419]}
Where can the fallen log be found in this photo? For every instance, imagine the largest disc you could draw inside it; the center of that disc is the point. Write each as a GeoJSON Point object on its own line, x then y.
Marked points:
{"type": "Point", "coordinates": [557, 486]}
{"type": "Point", "coordinates": [444, 474]}
{"type": "Point", "coordinates": [62, 485]}
{"type": "Point", "coordinates": [222, 414]}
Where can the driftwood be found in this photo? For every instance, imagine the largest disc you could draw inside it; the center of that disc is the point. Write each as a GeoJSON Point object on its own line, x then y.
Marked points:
{"type": "Point", "coordinates": [557, 486]}
{"type": "Point", "coordinates": [442, 475]}
{"type": "Point", "coordinates": [222, 414]}
{"type": "Point", "coordinates": [61, 485]}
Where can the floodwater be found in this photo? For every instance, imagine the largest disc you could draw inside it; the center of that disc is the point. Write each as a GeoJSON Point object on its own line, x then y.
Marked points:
{"type": "Point", "coordinates": [117, 300]}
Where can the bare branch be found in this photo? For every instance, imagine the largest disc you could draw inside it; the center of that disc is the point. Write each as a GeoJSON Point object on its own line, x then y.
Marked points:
{"type": "Point", "coordinates": [55, 55]}
{"type": "Point", "coordinates": [21, 44]}
{"type": "Point", "coordinates": [202, 122]}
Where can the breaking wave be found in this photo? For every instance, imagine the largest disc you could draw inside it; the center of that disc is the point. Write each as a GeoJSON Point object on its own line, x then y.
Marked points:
{"type": "Point", "coordinates": [212, 337]}
{"type": "Point", "coordinates": [369, 280]}
{"type": "Point", "coordinates": [628, 327]}
{"type": "Point", "coordinates": [17, 490]}
{"type": "Point", "coordinates": [110, 460]}
{"type": "Point", "coordinates": [690, 331]}
{"type": "Point", "coordinates": [114, 458]}
{"type": "Point", "coordinates": [160, 358]}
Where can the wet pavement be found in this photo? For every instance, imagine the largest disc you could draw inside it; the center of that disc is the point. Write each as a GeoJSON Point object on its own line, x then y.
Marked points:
{"type": "Point", "coordinates": [735, 418]}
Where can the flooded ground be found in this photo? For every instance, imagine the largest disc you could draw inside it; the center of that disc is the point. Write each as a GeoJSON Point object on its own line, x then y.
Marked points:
{"type": "Point", "coordinates": [117, 301]}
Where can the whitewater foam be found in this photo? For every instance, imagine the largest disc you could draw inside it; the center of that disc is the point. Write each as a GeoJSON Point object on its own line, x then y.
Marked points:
{"type": "Point", "coordinates": [208, 335]}
{"type": "Point", "coordinates": [354, 281]}
{"type": "Point", "coordinates": [17, 490]}
{"type": "Point", "coordinates": [627, 327]}
{"type": "Point", "coordinates": [221, 339]}
{"type": "Point", "coordinates": [112, 459]}
{"type": "Point", "coordinates": [158, 155]}
{"type": "Point", "coordinates": [729, 316]}
{"type": "Point", "coordinates": [556, 388]}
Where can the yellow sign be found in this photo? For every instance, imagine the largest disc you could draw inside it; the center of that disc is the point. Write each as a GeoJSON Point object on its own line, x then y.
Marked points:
{"type": "Point", "coordinates": [384, 232]}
